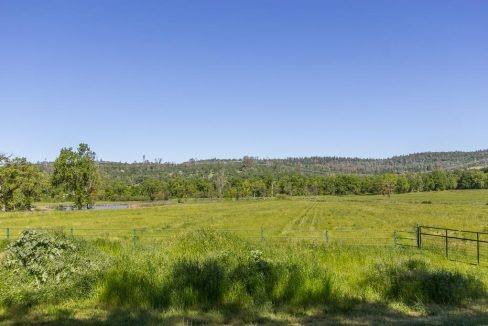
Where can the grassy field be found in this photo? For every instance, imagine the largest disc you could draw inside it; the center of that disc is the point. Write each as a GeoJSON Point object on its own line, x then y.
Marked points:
{"type": "Point", "coordinates": [355, 278]}
{"type": "Point", "coordinates": [359, 217]}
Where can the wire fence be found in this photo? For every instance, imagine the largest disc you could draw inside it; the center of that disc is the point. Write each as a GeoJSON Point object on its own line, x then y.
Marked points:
{"type": "Point", "coordinates": [458, 245]}
{"type": "Point", "coordinates": [145, 235]}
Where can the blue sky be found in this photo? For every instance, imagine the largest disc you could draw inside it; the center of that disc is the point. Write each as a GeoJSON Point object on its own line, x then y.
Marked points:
{"type": "Point", "coordinates": [223, 78]}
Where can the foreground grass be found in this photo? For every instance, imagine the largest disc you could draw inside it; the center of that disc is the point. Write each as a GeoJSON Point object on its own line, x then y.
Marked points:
{"type": "Point", "coordinates": [214, 277]}
{"type": "Point", "coordinates": [337, 283]}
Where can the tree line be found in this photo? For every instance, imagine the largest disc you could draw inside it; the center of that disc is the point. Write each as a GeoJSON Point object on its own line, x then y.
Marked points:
{"type": "Point", "coordinates": [75, 176]}
{"type": "Point", "coordinates": [219, 186]}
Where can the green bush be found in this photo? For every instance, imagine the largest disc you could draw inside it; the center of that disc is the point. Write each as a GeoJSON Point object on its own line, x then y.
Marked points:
{"type": "Point", "coordinates": [413, 282]}
{"type": "Point", "coordinates": [46, 267]}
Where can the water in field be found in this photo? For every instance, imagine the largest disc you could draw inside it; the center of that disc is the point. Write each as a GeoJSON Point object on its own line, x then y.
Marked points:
{"type": "Point", "coordinates": [96, 207]}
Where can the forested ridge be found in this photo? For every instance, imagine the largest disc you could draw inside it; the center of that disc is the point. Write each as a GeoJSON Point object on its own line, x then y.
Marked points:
{"type": "Point", "coordinates": [419, 162]}
{"type": "Point", "coordinates": [250, 166]}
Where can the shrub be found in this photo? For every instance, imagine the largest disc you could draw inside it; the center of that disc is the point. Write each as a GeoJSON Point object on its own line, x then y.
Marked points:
{"type": "Point", "coordinates": [38, 254]}
{"type": "Point", "coordinates": [413, 282]}
{"type": "Point", "coordinates": [45, 267]}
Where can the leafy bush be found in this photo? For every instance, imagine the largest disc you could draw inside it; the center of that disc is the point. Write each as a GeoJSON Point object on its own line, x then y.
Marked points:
{"type": "Point", "coordinates": [413, 282]}
{"type": "Point", "coordinates": [42, 266]}
{"type": "Point", "coordinates": [38, 254]}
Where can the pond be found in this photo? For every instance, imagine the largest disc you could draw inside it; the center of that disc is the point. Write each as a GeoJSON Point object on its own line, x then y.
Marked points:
{"type": "Point", "coordinates": [96, 207]}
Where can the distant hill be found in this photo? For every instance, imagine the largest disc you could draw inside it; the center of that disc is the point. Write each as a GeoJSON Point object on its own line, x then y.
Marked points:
{"type": "Point", "coordinates": [418, 162]}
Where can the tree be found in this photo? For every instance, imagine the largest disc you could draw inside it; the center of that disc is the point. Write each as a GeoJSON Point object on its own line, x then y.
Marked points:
{"type": "Point", "coordinates": [76, 172]}
{"type": "Point", "coordinates": [388, 183]}
{"type": "Point", "coordinates": [247, 162]}
{"type": "Point", "coordinates": [439, 180]}
{"type": "Point", "coordinates": [151, 187]}
{"type": "Point", "coordinates": [115, 190]}
{"type": "Point", "coordinates": [244, 188]}
{"type": "Point", "coordinates": [472, 179]}
{"type": "Point", "coordinates": [416, 182]}
{"type": "Point", "coordinates": [20, 184]}
{"type": "Point", "coordinates": [220, 182]}
{"type": "Point", "coordinates": [258, 188]}
{"type": "Point", "coordinates": [402, 184]}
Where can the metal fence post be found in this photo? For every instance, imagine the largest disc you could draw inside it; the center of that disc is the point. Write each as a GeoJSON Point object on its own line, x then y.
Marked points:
{"type": "Point", "coordinates": [134, 237]}
{"type": "Point", "coordinates": [326, 237]}
{"type": "Point", "coordinates": [478, 247]}
{"type": "Point", "coordinates": [7, 233]}
{"type": "Point", "coordinates": [262, 234]}
{"type": "Point", "coordinates": [447, 244]}
{"type": "Point", "coordinates": [394, 238]}
{"type": "Point", "coordinates": [419, 236]}
{"type": "Point", "coordinates": [72, 232]}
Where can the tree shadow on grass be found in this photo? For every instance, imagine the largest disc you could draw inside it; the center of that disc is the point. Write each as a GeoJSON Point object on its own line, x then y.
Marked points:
{"type": "Point", "coordinates": [357, 312]}
{"type": "Point", "coordinates": [354, 312]}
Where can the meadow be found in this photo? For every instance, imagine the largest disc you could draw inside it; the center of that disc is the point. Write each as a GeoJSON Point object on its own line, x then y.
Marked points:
{"type": "Point", "coordinates": [283, 260]}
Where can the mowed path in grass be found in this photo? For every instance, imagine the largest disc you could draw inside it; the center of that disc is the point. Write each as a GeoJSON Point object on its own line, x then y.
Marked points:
{"type": "Point", "coordinates": [355, 216]}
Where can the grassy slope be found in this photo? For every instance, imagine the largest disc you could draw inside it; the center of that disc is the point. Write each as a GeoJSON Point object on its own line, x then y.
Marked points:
{"type": "Point", "coordinates": [356, 216]}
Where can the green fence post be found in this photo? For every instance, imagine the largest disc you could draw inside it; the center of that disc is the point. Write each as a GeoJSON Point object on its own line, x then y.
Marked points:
{"type": "Point", "coordinates": [7, 233]}
{"type": "Point", "coordinates": [326, 237]}
{"type": "Point", "coordinates": [447, 246]}
{"type": "Point", "coordinates": [262, 234]}
{"type": "Point", "coordinates": [134, 237]}
{"type": "Point", "coordinates": [419, 236]}
{"type": "Point", "coordinates": [72, 232]}
{"type": "Point", "coordinates": [478, 247]}
{"type": "Point", "coordinates": [394, 238]}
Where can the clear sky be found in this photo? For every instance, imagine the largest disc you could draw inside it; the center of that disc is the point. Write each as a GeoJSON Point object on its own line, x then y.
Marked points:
{"type": "Point", "coordinates": [226, 78]}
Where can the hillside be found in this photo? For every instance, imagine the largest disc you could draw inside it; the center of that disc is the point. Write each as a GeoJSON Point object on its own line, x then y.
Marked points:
{"type": "Point", "coordinates": [418, 162]}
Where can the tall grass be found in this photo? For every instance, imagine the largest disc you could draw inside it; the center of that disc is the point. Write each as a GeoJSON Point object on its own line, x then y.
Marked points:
{"type": "Point", "coordinates": [414, 282]}
{"type": "Point", "coordinates": [209, 270]}
{"type": "Point", "coordinates": [206, 271]}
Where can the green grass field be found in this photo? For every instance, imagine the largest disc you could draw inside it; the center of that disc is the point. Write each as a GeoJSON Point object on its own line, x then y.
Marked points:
{"type": "Point", "coordinates": [360, 237]}
{"type": "Point", "coordinates": [360, 217]}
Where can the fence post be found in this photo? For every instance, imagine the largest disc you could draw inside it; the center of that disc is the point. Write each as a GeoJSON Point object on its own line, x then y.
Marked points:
{"type": "Point", "coordinates": [394, 238]}
{"type": "Point", "coordinates": [419, 236]}
{"type": "Point", "coordinates": [72, 232]}
{"type": "Point", "coordinates": [7, 233]}
{"type": "Point", "coordinates": [134, 237]}
{"type": "Point", "coordinates": [262, 234]}
{"type": "Point", "coordinates": [478, 247]}
{"type": "Point", "coordinates": [326, 237]}
{"type": "Point", "coordinates": [447, 244]}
